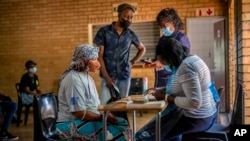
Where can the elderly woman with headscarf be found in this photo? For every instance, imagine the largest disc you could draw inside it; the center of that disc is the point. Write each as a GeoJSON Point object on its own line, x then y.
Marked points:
{"type": "Point", "coordinates": [78, 101]}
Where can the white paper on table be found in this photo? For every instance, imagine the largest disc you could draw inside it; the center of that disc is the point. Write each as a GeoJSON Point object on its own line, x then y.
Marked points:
{"type": "Point", "coordinates": [124, 101]}
{"type": "Point", "coordinates": [150, 104]}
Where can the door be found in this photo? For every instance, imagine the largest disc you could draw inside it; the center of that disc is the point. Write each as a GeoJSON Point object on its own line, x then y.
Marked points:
{"type": "Point", "coordinates": [219, 58]}
{"type": "Point", "coordinates": [207, 39]}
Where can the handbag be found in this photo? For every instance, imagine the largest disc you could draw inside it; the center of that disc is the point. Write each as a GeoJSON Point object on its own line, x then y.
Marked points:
{"type": "Point", "coordinates": [115, 95]}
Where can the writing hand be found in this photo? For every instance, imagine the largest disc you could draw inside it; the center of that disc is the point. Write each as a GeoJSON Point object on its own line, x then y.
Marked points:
{"type": "Point", "coordinates": [149, 91]}
{"type": "Point", "coordinates": [159, 95]}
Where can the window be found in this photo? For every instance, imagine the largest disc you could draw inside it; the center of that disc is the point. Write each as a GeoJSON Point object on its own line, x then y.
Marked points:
{"type": "Point", "coordinates": [148, 33]}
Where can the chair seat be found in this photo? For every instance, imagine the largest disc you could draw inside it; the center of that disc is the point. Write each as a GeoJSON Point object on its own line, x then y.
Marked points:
{"type": "Point", "coordinates": [220, 131]}
{"type": "Point", "coordinates": [218, 128]}
{"type": "Point", "coordinates": [217, 132]}
{"type": "Point", "coordinates": [21, 106]}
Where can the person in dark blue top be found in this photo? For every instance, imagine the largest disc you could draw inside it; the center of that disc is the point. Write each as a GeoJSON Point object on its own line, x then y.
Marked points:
{"type": "Point", "coordinates": [7, 112]}
{"type": "Point", "coordinates": [171, 24]}
{"type": "Point", "coordinates": [114, 41]}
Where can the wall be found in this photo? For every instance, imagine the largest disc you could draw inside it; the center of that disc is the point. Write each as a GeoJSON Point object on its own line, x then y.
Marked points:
{"type": "Point", "coordinates": [232, 53]}
{"type": "Point", "coordinates": [47, 32]}
{"type": "Point", "coordinates": [245, 56]}
{"type": "Point", "coordinates": [239, 54]}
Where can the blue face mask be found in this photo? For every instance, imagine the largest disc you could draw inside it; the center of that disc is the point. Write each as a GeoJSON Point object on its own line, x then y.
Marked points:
{"type": "Point", "coordinates": [166, 31]}
{"type": "Point", "coordinates": [167, 68]}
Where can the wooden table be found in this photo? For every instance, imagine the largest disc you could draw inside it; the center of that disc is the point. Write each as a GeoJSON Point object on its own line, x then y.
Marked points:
{"type": "Point", "coordinates": [123, 106]}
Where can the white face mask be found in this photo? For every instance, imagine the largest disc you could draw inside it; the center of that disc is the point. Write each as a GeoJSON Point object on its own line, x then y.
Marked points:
{"type": "Point", "coordinates": [33, 70]}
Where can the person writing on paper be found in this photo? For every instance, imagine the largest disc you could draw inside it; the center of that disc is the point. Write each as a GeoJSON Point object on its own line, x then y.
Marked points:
{"type": "Point", "coordinates": [192, 107]}
{"type": "Point", "coordinates": [78, 101]}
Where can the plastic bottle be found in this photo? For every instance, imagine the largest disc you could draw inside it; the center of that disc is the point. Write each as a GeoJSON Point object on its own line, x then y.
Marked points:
{"type": "Point", "coordinates": [145, 84]}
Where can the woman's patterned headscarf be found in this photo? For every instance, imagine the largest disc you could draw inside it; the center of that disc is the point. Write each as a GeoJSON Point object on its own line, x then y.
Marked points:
{"type": "Point", "coordinates": [83, 53]}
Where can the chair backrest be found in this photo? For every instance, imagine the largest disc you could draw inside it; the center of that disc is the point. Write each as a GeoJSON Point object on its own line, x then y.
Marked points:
{"type": "Point", "coordinates": [17, 86]}
{"type": "Point", "coordinates": [47, 109]}
{"type": "Point", "coordinates": [220, 92]}
{"type": "Point", "coordinates": [239, 107]}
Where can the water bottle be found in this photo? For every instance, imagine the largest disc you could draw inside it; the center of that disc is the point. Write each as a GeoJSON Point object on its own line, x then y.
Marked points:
{"type": "Point", "coordinates": [145, 84]}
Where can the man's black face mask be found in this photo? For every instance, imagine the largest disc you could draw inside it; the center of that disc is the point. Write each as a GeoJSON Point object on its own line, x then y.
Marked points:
{"type": "Point", "coordinates": [124, 23]}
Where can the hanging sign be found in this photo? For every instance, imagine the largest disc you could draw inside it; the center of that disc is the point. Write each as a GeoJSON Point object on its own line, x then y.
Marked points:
{"type": "Point", "coordinates": [205, 11]}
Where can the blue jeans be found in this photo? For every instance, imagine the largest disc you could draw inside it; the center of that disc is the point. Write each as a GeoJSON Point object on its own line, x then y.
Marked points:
{"type": "Point", "coordinates": [123, 85]}
{"type": "Point", "coordinates": [8, 109]}
{"type": "Point", "coordinates": [169, 117]}
{"type": "Point", "coordinates": [173, 125]}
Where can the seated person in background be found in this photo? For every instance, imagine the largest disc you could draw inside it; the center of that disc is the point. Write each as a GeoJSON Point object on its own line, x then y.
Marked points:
{"type": "Point", "coordinates": [29, 84]}
{"type": "Point", "coordinates": [7, 110]}
{"type": "Point", "coordinates": [78, 101]}
{"type": "Point", "coordinates": [189, 91]}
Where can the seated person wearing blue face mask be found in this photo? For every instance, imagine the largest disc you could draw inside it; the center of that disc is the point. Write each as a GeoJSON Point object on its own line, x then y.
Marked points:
{"type": "Point", "coordinates": [29, 84]}
{"type": "Point", "coordinates": [190, 95]}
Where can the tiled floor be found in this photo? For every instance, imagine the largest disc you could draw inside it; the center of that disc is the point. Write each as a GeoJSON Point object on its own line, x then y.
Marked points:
{"type": "Point", "coordinates": [25, 132]}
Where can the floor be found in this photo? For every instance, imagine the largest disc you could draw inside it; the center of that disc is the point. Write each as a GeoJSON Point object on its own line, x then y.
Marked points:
{"type": "Point", "coordinates": [25, 132]}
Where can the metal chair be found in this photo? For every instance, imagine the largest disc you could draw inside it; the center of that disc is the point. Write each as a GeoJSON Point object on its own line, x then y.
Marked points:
{"type": "Point", "coordinates": [20, 107]}
{"type": "Point", "coordinates": [220, 132]}
{"type": "Point", "coordinates": [48, 112]}
{"type": "Point", "coordinates": [220, 92]}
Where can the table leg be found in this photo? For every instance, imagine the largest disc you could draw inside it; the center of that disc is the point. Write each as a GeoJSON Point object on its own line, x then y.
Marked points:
{"type": "Point", "coordinates": [158, 127]}
{"type": "Point", "coordinates": [134, 124]}
{"type": "Point", "coordinates": [104, 124]}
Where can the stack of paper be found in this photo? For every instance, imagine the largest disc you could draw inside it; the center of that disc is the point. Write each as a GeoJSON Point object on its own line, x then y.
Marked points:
{"type": "Point", "coordinates": [147, 105]}
{"type": "Point", "coordinates": [124, 101]}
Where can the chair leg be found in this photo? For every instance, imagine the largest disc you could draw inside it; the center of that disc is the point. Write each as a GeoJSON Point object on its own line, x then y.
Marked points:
{"type": "Point", "coordinates": [141, 113]}
{"type": "Point", "coordinates": [19, 112]}
{"type": "Point", "coordinates": [27, 108]}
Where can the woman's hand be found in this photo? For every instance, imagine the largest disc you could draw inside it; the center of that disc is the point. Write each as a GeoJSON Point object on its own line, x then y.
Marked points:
{"type": "Point", "coordinates": [150, 91]}
{"type": "Point", "coordinates": [110, 83]}
{"type": "Point", "coordinates": [38, 91]}
{"type": "Point", "coordinates": [158, 65]}
{"type": "Point", "coordinates": [112, 119]}
{"type": "Point", "coordinates": [159, 95]}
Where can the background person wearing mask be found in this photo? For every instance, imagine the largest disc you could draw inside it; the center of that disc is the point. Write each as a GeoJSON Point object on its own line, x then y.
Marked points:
{"type": "Point", "coordinates": [171, 24]}
{"type": "Point", "coordinates": [114, 41]}
{"type": "Point", "coordinates": [7, 111]}
{"type": "Point", "coordinates": [29, 84]}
